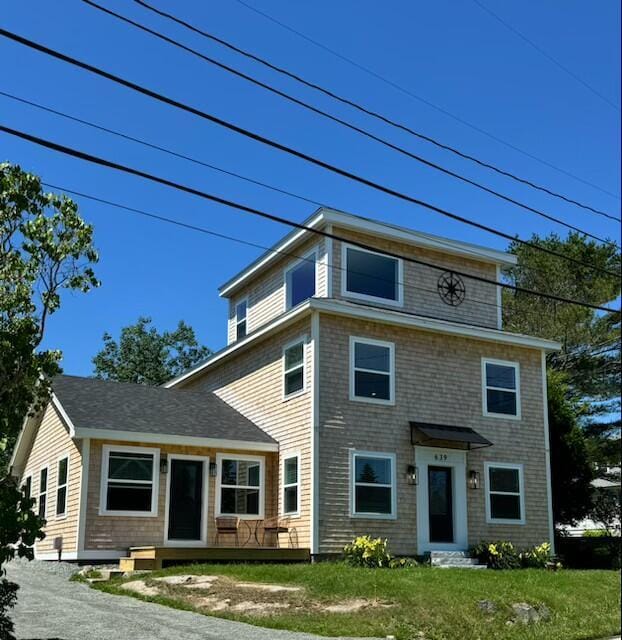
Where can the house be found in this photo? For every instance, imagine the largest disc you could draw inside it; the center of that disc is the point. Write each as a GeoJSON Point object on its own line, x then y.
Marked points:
{"type": "Point", "coordinates": [359, 393]}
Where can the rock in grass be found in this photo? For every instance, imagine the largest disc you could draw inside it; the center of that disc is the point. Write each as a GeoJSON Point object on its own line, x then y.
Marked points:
{"type": "Point", "coordinates": [487, 606]}
{"type": "Point", "coordinates": [527, 614]}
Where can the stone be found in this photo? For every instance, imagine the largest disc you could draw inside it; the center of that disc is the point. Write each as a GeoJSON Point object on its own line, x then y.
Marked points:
{"type": "Point", "coordinates": [272, 588]}
{"type": "Point", "coordinates": [188, 580]}
{"type": "Point", "coordinates": [139, 586]}
{"type": "Point", "coordinates": [525, 613]}
{"type": "Point", "coordinates": [487, 606]}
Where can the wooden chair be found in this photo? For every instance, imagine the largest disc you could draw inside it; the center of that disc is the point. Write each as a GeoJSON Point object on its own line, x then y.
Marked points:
{"type": "Point", "coordinates": [228, 525]}
{"type": "Point", "coordinates": [275, 526]}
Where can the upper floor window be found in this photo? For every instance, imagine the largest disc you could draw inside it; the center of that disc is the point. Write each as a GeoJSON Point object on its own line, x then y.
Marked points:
{"type": "Point", "coordinates": [62, 478]}
{"type": "Point", "coordinates": [504, 493]}
{"type": "Point", "coordinates": [300, 281]}
{"type": "Point", "coordinates": [27, 487]}
{"type": "Point", "coordinates": [240, 486]}
{"type": "Point", "coordinates": [371, 276]}
{"type": "Point", "coordinates": [372, 488]}
{"type": "Point", "coordinates": [294, 368]}
{"type": "Point", "coordinates": [501, 388]}
{"type": "Point", "coordinates": [241, 309]}
{"type": "Point", "coordinates": [372, 370]}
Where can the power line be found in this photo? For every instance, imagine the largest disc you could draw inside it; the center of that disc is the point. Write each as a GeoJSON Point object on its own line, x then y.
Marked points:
{"type": "Point", "coordinates": [275, 218]}
{"type": "Point", "coordinates": [291, 151]}
{"type": "Point", "coordinates": [345, 123]}
{"type": "Point", "coordinates": [409, 93]}
{"type": "Point", "coordinates": [368, 111]}
{"type": "Point", "coordinates": [548, 56]}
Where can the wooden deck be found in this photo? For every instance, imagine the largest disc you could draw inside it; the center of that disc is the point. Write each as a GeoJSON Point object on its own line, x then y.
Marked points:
{"type": "Point", "coordinates": [142, 558]}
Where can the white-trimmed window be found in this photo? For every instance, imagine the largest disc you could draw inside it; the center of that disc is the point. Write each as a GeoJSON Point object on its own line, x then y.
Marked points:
{"type": "Point", "coordinates": [300, 280]}
{"type": "Point", "coordinates": [241, 311]}
{"type": "Point", "coordinates": [27, 487]}
{"type": "Point", "coordinates": [44, 477]}
{"type": "Point", "coordinates": [505, 494]}
{"type": "Point", "coordinates": [372, 370]}
{"type": "Point", "coordinates": [62, 480]}
{"type": "Point", "coordinates": [129, 481]}
{"type": "Point", "coordinates": [294, 368]}
{"type": "Point", "coordinates": [240, 486]}
{"type": "Point", "coordinates": [373, 276]}
{"type": "Point", "coordinates": [501, 388]}
{"type": "Point", "coordinates": [291, 485]}
{"type": "Point", "coordinates": [373, 484]}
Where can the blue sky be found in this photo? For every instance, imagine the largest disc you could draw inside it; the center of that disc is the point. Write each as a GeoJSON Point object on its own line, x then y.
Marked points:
{"type": "Point", "coordinates": [451, 53]}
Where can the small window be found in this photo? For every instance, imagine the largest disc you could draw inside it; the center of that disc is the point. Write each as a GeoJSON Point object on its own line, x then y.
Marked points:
{"type": "Point", "coordinates": [300, 281]}
{"type": "Point", "coordinates": [129, 481]}
{"type": "Point", "coordinates": [43, 491]}
{"type": "Point", "coordinates": [372, 276]}
{"type": "Point", "coordinates": [61, 487]}
{"type": "Point", "coordinates": [373, 484]}
{"type": "Point", "coordinates": [371, 370]}
{"type": "Point", "coordinates": [241, 309]}
{"type": "Point", "coordinates": [27, 487]}
{"type": "Point", "coordinates": [294, 368]}
{"type": "Point", "coordinates": [240, 490]}
{"type": "Point", "coordinates": [501, 395]}
{"type": "Point", "coordinates": [505, 493]}
{"type": "Point", "coordinates": [291, 485]}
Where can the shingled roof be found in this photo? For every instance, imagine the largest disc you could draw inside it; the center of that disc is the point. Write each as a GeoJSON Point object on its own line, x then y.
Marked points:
{"type": "Point", "coordinates": [91, 403]}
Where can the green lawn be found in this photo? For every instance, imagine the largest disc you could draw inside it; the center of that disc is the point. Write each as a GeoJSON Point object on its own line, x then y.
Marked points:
{"type": "Point", "coordinates": [438, 604]}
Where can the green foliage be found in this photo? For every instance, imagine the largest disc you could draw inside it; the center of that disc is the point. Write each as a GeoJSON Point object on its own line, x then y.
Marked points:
{"type": "Point", "coordinates": [595, 533]}
{"type": "Point", "coordinates": [605, 510]}
{"type": "Point", "coordinates": [365, 551]}
{"type": "Point", "coordinates": [402, 563]}
{"type": "Point", "coordinates": [536, 557]}
{"type": "Point", "coordinates": [45, 248]}
{"type": "Point", "coordinates": [497, 555]}
{"type": "Point", "coordinates": [145, 356]}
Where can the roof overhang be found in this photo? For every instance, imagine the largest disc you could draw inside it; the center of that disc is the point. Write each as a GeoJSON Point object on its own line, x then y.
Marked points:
{"type": "Point", "coordinates": [427, 434]}
{"type": "Point", "coordinates": [325, 216]}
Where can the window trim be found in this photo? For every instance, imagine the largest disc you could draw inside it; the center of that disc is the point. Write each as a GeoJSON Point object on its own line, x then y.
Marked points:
{"type": "Point", "coordinates": [346, 293]}
{"type": "Point", "coordinates": [506, 363]}
{"type": "Point", "coordinates": [297, 484]}
{"type": "Point", "coordinates": [301, 339]}
{"type": "Point", "coordinates": [61, 516]}
{"type": "Point", "coordinates": [262, 485]}
{"type": "Point", "coordinates": [521, 486]}
{"type": "Point", "coordinates": [355, 453]}
{"type": "Point", "coordinates": [390, 373]}
{"type": "Point", "coordinates": [155, 481]}
{"type": "Point", "coordinates": [313, 254]}
{"type": "Point", "coordinates": [237, 321]}
{"type": "Point", "coordinates": [46, 493]}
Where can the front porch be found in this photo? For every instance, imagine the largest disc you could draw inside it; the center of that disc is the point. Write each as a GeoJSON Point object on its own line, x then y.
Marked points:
{"type": "Point", "coordinates": [154, 557]}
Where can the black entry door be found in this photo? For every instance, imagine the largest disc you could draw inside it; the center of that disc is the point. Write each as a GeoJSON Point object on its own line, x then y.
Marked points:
{"type": "Point", "coordinates": [185, 499]}
{"type": "Point", "coordinates": [440, 504]}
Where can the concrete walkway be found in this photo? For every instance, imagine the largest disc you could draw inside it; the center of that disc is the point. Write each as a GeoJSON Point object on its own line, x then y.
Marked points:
{"type": "Point", "coordinates": [51, 607]}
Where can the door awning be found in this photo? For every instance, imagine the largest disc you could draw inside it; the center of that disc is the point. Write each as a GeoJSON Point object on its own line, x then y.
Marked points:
{"type": "Point", "coordinates": [442, 435]}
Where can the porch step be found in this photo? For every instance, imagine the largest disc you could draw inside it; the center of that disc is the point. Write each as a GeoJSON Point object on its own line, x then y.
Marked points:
{"type": "Point", "coordinates": [136, 564]}
{"type": "Point", "coordinates": [454, 560]}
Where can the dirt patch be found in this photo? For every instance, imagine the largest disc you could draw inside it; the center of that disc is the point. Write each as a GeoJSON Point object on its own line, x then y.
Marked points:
{"type": "Point", "coordinates": [188, 581]}
{"type": "Point", "coordinates": [140, 587]}
{"type": "Point", "coordinates": [351, 606]}
{"type": "Point", "coordinates": [272, 588]}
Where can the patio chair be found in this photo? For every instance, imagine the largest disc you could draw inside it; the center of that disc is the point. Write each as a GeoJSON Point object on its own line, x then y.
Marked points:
{"type": "Point", "coordinates": [228, 525]}
{"type": "Point", "coordinates": [275, 526]}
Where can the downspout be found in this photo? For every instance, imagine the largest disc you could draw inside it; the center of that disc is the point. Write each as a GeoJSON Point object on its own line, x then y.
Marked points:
{"type": "Point", "coordinates": [315, 416]}
{"type": "Point", "coordinates": [547, 453]}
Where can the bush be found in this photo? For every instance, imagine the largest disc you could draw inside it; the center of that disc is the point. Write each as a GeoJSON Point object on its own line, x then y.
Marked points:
{"type": "Point", "coordinates": [497, 555]}
{"type": "Point", "coordinates": [367, 552]}
{"type": "Point", "coordinates": [537, 557]}
{"type": "Point", "coordinates": [402, 563]}
{"type": "Point", "coordinates": [595, 533]}
{"type": "Point", "coordinates": [589, 552]}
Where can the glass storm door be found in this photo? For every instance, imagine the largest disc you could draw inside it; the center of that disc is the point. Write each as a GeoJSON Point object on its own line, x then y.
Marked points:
{"type": "Point", "coordinates": [185, 500]}
{"type": "Point", "coordinates": [440, 504]}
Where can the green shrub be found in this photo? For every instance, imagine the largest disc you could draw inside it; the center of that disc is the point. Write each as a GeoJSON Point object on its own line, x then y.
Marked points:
{"type": "Point", "coordinates": [364, 551]}
{"type": "Point", "coordinates": [402, 563]}
{"type": "Point", "coordinates": [595, 533]}
{"type": "Point", "coordinates": [536, 557]}
{"type": "Point", "coordinates": [497, 555]}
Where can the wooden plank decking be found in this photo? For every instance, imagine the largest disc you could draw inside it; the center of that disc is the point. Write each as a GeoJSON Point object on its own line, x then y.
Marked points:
{"type": "Point", "coordinates": [153, 557]}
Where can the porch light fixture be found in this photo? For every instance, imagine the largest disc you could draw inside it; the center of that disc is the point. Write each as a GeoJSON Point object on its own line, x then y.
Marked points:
{"type": "Point", "coordinates": [163, 464]}
{"type": "Point", "coordinates": [411, 474]}
{"type": "Point", "coordinates": [473, 479]}
{"type": "Point", "coordinates": [213, 469]}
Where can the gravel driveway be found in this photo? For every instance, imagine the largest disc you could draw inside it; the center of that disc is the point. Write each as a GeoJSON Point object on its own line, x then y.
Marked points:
{"type": "Point", "coordinates": [49, 606]}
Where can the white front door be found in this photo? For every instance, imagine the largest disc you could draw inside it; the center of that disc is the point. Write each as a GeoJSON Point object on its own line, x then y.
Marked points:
{"type": "Point", "coordinates": [441, 499]}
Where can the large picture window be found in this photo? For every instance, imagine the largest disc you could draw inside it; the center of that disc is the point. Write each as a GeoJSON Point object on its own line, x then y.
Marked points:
{"type": "Point", "coordinates": [129, 484]}
{"type": "Point", "coordinates": [294, 368]}
{"type": "Point", "coordinates": [371, 276]}
{"type": "Point", "coordinates": [300, 281]}
{"type": "Point", "coordinates": [43, 491]}
{"type": "Point", "coordinates": [291, 485]}
{"type": "Point", "coordinates": [62, 478]}
{"type": "Point", "coordinates": [373, 484]}
{"type": "Point", "coordinates": [501, 388]}
{"type": "Point", "coordinates": [240, 487]}
{"type": "Point", "coordinates": [372, 371]}
{"type": "Point", "coordinates": [504, 493]}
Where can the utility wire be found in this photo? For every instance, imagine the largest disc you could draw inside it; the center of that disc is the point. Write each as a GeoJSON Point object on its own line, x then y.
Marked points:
{"type": "Point", "coordinates": [367, 110]}
{"type": "Point", "coordinates": [345, 123]}
{"type": "Point", "coordinates": [411, 94]}
{"type": "Point", "coordinates": [542, 52]}
{"type": "Point", "coordinates": [291, 151]}
{"type": "Point", "coordinates": [54, 146]}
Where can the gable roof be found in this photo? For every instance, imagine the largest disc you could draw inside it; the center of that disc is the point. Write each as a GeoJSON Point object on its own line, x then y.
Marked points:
{"type": "Point", "coordinates": [121, 408]}
{"type": "Point", "coordinates": [324, 216]}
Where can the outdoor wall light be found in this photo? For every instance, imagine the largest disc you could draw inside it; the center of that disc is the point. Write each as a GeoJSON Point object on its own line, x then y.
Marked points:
{"type": "Point", "coordinates": [473, 479]}
{"type": "Point", "coordinates": [213, 469]}
{"type": "Point", "coordinates": [163, 464]}
{"type": "Point", "coordinates": [411, 474]}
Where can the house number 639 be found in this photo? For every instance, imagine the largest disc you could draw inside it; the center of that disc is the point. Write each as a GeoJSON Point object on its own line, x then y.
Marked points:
{"type": "Point", "coordinates": [440, 456]}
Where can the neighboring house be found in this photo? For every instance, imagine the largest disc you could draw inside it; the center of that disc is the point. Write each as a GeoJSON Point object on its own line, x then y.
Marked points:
{"type": "Point", "coordinates": [359, 394]}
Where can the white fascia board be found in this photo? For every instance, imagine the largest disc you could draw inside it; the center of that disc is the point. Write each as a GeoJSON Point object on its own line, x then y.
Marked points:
{"type": "Point", "coordinates": [337, 307]}
{"type": "Point", "coordinates": [162, 438]}
{"type": "Point", "coordinates": [282, 320]}
{"type": "Point", "coordinates": [67, 420]}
